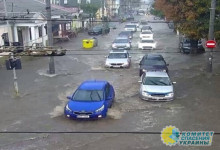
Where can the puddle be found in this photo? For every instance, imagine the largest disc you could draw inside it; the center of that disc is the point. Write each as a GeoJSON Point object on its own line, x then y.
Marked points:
{"type": "Point", "coordinates": [58, 110]}
{"type": "Point", "coordinates": [114, 113]}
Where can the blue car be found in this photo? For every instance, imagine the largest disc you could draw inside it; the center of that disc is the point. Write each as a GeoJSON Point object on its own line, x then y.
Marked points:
{"type": "Point", "coordinates": [90, 101]}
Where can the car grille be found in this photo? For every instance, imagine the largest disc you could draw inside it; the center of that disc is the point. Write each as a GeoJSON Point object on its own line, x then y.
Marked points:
{"type": "Point", "coordinates": [158, 95]}
{"type": "Point", "coordinates": [82, 113]}
{"type": "Point", "coordinates": [116, 64]}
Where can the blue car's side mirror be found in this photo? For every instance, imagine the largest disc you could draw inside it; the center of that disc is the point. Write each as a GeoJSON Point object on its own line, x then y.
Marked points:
{"type": "Point", "coordinates": [69, 97]}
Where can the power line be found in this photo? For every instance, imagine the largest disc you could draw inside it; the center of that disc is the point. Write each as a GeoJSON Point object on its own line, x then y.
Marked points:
{"type": "Point", "coordinates": [88, 132]}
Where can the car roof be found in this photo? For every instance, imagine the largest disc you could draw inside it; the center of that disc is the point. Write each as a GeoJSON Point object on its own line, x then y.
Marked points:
{"type": "Point", "coordinates": [118, 51]}
{"type": "Point", "coordinates": [156, 74]}
{"type": "Point", "coordinates": [93, 85]}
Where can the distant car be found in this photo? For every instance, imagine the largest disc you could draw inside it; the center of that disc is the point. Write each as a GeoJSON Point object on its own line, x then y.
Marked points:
{"type": "Point", "coordinates": [146, 28]}
{"type": "Point", "coordinates": [146, 35]}
{"type": "Point", "coordinates": [152, 62]}
{"type": "Point", "coordinates": [130, 27]}
{"type": "Point", "coordinates": [143, 23]}
{"type": "Point", "coordinates": [127, 34]}
{"type": "Point", "coordinates": [129, 17]}
{"type": "Point", "coordinates": [91, 100]}
{"type": "Point", "coordinates": [156, 86]}
{"type": "Point", "coordinates": [118, 59]}
{"type": "Point", "coordinates": [121, 43]}
{"type": "Point", "coordinates": [135, 23]}
{"type": "Point", "coordinates": [98, 30]}
{"type": "Point", "coordinates": [147, 44]}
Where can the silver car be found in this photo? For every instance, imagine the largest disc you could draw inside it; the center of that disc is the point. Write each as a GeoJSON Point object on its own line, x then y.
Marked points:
{"type": "Point", "coordinates": [121, 43]}
{"type": "Point", "coordinates": [118, 59]}
{"type": "Point", "coordinates": [156, 86]}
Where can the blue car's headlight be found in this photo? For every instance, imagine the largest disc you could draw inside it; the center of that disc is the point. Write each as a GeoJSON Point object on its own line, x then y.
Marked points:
{"type": "Point", "coordinates": [100, 109]}
{"type": "Point", "coordinates": [67, 108]}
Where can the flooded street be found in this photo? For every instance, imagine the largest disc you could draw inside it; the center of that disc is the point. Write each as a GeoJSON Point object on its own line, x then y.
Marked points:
{"type": "Point", "coordinates": [40, 106]}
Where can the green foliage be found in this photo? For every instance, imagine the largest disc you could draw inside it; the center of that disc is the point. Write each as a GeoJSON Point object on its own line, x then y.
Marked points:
{"type": "Point", "coordinates": [89, 8]}
{"type": "Point", "coordinates": [191, 17]}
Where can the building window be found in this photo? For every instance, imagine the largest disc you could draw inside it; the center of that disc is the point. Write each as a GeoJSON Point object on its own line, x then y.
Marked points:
{"type": "Point", "coordinates": [30, 33]}
{"type": "Point", "coordinates": [40, 31]}
{"type": "Point", "coordinates": [65, 1]}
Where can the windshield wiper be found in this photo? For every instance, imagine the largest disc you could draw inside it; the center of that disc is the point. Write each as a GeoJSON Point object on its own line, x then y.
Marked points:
{"type": "Point", "coordinates": [162, 83]}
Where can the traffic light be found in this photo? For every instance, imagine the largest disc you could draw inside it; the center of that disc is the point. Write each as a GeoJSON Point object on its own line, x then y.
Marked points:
{"type": "Point", "coordinates": [13, 63]}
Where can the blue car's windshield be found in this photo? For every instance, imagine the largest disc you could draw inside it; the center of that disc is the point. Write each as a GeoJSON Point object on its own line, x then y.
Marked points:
{"type": "Point", "coordinates": [162, 81]}
{"type": "Point", "coordinates": [88, 95]}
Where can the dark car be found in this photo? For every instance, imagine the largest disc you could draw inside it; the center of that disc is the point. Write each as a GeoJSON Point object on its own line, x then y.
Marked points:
{"type": "Point", "coordinates": [153, 62]}
{"type": "Point", "coordinates": [127, 34]}
{"type": "Point", "coordinates": [98, 30]}
{"type": "Point", "coordinates": [187, 45]}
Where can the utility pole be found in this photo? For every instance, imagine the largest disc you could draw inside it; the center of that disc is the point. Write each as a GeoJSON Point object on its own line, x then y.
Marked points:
{"type": "Point", "coordinates": [50, 36]}
{"type": "Point", "coordinates": [103, 13]}
{"type": "Point", "coordinates": [12, 55]}
{"type": "Point", "coordinates": [211, 33]}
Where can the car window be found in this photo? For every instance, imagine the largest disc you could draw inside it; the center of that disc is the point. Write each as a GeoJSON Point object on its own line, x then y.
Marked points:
{"type": "Point", "coordinates": [117, 55]}
{"type": "Point", "coordinates": [88, 95]}
{"type": "Point", "coordinates": [147, 41]}
{"type": "Point", "coordinates": [130, 26]}
{"type": "Point", "coordinates": [107, 91]}
{"type": "Point", "coordinates": [153, 62]}
{"type": "Point", "coordinates": [121, 41]}
{"type": "Point", "coordinates": [161, 81]}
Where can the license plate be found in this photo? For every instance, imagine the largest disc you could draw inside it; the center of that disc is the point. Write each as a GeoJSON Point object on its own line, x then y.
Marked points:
{"type": "Point", "coordinates": [82, 116]}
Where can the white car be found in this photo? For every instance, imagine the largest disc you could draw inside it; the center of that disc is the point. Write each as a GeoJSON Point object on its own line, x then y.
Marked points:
{"type": "Point", "coordinates": [118, 59]}
{"type": "Point", "coordinates": [147, 44]}
{"type": "Point", "coordinates": [156, 86]}
{"type": "Point", "coordinates": [146, 35]}
{"type": "Point", "coordinates": [130, 27]}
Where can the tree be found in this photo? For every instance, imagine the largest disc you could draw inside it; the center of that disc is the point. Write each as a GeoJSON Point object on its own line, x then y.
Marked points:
{"type": "Point", "coordinates": [89, 8]}
{"type": "Point", "coordinates": [190, 17]}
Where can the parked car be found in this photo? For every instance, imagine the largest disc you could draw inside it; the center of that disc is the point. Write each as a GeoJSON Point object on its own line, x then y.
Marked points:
{"type": "Point", "coordinates": [91, 100]}
{"type": "Point", "coordinates": [128, 34]}
{"type": "Point", "coordinates": [98, 30]}
{"type": "Point", "coordinates": [187, 45]}
{"type": "Point", "coordinates": [146, 28]}
{"type": "Point", "coordinates": [156, 86]}
{"type": "Point", "coordinates": [121, 43]}
{"type": "Point", "coordinates": [118, 59]}
{"type": "Point", "coordinates": [147, 44]}
{"type": "Point", "coordinates": [152, 62]}
{"type": "Point", "coordinates": [130, 27]}
{"type": "Point", "coordinates": [146, 35]}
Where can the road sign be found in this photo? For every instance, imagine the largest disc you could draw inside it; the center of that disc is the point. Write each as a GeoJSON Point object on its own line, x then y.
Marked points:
{"type": "Point", "coordinates": [210, 44]}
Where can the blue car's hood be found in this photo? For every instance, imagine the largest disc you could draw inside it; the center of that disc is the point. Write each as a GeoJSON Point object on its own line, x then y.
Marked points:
{"type": "Point", "coordinates": [84, 105]}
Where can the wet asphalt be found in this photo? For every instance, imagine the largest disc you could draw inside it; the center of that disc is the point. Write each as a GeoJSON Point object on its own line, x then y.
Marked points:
{"type": "Point", "coordinates": [42, 98]}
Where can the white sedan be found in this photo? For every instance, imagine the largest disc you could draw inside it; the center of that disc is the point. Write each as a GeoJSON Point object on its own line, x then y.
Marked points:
{"type": "Point", "coordinates": [147, 44]}
{"type": "Point", "coordinates": [146, 35]}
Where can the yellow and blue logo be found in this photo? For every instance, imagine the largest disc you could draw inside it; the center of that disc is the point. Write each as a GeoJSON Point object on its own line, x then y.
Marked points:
{"type": "Point", "coordinates": [170, 135]}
